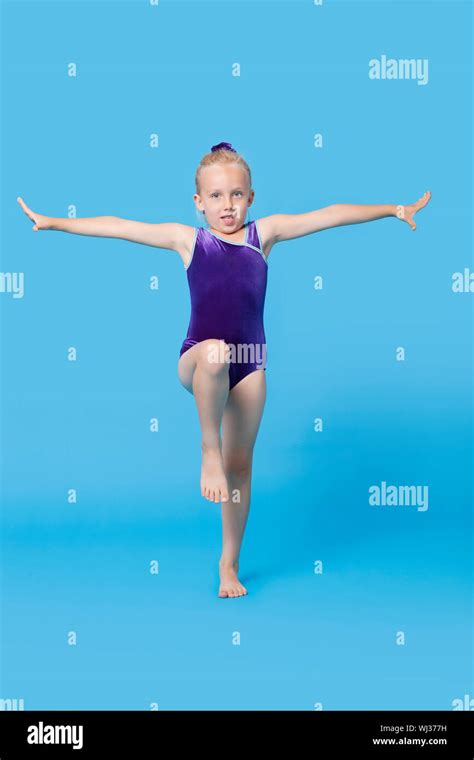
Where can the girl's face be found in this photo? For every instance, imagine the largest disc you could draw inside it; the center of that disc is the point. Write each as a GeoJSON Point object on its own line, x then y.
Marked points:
{"type": "Point", "coordinates": [225, 196]}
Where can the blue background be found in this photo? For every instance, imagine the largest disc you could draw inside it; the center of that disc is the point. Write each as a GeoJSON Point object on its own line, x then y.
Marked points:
{"type": "Point", "coordinates": [166, 639]}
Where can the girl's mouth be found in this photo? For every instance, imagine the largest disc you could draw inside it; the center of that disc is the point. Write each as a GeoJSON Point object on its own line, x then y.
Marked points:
{"type": "Point", "coordinates": [228, 219]}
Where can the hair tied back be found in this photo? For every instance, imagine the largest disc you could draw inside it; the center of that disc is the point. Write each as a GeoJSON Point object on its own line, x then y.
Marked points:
{"type": "Point", "coordinates": [223, 146]}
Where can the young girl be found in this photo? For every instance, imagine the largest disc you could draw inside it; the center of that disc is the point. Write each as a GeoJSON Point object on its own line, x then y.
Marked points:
{"type": "Point", "coordinates": [221, 361]}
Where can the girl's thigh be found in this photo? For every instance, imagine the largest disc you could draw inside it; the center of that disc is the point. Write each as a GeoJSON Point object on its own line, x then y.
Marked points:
{"type": "Point", "coordinates": [186, 366]}
{"type": "Point", "coordinates": [188, 361]}
{"type": "Point", "coordinates": [241, 419]}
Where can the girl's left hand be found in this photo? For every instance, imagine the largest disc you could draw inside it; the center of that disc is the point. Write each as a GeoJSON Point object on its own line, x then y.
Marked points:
{"type": "Point", "coordinates": [406, 213]}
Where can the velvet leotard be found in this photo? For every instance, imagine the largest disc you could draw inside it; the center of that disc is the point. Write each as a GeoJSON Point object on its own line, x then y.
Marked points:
{"type": "Point", "coordinates": [227, 285]}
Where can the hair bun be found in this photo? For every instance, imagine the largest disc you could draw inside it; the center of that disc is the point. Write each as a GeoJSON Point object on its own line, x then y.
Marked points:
{"type": "Point", "coordinates": [223, 146]}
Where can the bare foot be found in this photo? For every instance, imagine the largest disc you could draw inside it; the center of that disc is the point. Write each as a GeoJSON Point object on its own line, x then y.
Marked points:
{"type": "Point", "coordinates": [213, 480]}
{"type": "Point", "coordinates": [230, 584]}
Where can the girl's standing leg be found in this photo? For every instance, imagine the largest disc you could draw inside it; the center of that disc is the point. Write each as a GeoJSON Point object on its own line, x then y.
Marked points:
{"type": "Point", "coordinates": [240, 424]}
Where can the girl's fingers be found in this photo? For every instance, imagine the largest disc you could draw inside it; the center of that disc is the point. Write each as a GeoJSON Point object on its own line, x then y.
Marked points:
{"type": "Point", "coordinates": [424, 199]}
{"type": "Point", "coordinates": [24, 206]}
{"type": "Point", "coordinates": [29, 213]}
{"type": "Point", "coordinates": [422, 202]}
{"type": "Point", "coordinates": [26, 209]}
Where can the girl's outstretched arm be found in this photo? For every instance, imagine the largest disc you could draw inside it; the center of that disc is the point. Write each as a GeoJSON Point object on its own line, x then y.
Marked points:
{"type": "Point", "coordinates": [167, 235]}
{"type": "Point", "coordinates": [288, 226]}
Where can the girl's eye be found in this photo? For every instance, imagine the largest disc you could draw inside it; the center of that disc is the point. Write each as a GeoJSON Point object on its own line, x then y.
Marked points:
{"type": "Point", "coordinates": [237, 192]}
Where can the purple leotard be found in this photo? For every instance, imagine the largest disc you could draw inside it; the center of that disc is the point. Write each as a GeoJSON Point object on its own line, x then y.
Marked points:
{"type": "Point", "coordinates": [227, 284]}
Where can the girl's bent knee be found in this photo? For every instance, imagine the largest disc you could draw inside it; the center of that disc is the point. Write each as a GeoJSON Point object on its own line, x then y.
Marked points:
{"type": "Point", "coordinates": [214, 356]}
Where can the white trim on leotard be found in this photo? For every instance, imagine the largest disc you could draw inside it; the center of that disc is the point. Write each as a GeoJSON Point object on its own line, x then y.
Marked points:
{"type": "Point", "coordinates": [260, 250]}
{"type": "Point", "coordinates": [245, 243]}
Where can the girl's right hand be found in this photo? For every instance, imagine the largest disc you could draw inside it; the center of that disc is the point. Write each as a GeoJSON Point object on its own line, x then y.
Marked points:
{"type": "Point", "coordinates": [40, 222]}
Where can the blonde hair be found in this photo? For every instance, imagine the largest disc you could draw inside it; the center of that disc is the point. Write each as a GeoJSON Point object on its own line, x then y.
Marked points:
{"type": "Point", "coordinates": [222, 155]}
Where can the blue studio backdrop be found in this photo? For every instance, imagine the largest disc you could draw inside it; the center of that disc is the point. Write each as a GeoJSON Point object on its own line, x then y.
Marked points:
{"type": "Point", "coordinates": [358, 549]}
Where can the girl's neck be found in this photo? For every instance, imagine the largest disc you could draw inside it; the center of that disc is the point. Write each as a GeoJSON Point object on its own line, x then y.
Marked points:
{"type": "Point", "coordinates": [236, 233]}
